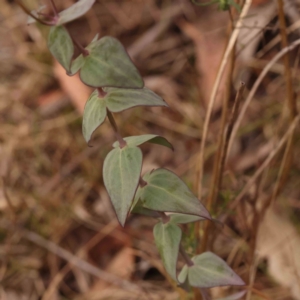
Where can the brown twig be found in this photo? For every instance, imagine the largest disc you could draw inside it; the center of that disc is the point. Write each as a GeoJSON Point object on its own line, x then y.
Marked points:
{"type": "Point", "coordinates": [232, 41]}
{"type": "Point", "coordinates": [55, 11]}
{"type": "Point", "coordinates": [259, 171]}
{"type": "Point", "coordinates": [291, 101]}
{"type": "Point", "coordinates": [28, 12]}
{"type": "Point", "coordinates": [256, 85]}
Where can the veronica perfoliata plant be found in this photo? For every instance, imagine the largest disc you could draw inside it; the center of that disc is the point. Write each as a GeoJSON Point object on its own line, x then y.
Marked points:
{"type": "Point", "coordinates": [105, 65]}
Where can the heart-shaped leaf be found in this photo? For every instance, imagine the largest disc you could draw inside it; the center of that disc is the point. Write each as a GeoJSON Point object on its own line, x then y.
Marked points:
{"type": "Point", "coordinates": [166, 192]}
{"type": "Point", "coordinates": [141, 139]}
{"type": "Point", "coordinates": [75, 11]}
{"type": "Point", "coordinates": [209, 270]}
{"type": "Point", "coordinates": [108, 65]}
{"type": "Point", "coordinates": [167, 239]}
{"type": "Point", "coordinates": [121, 173]}
{"type": "Point", "coordinates": [61, 46]}
{"type": "Point", "coordinates": [121, 99]}
{"type": "Point", "coordinates": [184, 219]}
{"type": "Point", "coordinates": [93, 116]}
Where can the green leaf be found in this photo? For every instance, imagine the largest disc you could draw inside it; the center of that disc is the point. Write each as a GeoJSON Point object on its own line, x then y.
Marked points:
{"type": "Point", "coordinates": [184, 219]}
{"type": "Point", "coordinates": [166, 192]}
{"type": "Point", "coordinates": [121, 99]}
{"type": "Point", "coordinates": [209, 270]}
{"type": "Point", "coordinates": [61, 46]}
{"type": "Point", "coordinates": [141, 139]}
{"type": "Point", "coordinates": [108, 65]}
{"type": "Point", "coordinates": [76, 64]}
{"type": "Point", "coordinates": [93, 116]}
{"type": "Point", "coordinates": [121, 174]}
{"type": "Point", "coordinates": [167, 239]}
{"type": "Point", "coordinates": [183, 274]}
{"type": "Point", "coordinates": [137, 207]}
{"type": "Point", "coordinates": [75, 11]}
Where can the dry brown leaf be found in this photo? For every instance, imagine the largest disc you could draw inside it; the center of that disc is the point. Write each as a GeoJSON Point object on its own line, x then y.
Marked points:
{"type": "Point", "coordinates": [209, 51]}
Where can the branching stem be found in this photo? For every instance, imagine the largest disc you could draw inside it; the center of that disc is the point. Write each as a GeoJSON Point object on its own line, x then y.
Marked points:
{"type": "Point", "coordinates": [116, 130]}
{"type": "Point", "coordinates": [28, 12]}
{"type": "Point", "coordinates": [55, 11]}
{"type": "Point", "coordinates": [185, 256]}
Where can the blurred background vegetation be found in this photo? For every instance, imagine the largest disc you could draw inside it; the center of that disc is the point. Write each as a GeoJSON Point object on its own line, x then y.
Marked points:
{"type": "Point", "coordinates": [59, 237]}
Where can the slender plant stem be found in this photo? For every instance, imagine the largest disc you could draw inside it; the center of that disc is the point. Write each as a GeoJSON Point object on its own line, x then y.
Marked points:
{"type": "Point", "coordinates": [28, 12]}
{"type": "Point", "coordinates": [217, 169]}
{"type": "Point", "coordinates": [256, 85]}
{"type": "Point", "coordinates": [232, 41]}
{"type": "Point", "coordinates": [288, 154]}
{"type": "Point", "coordinates": [55, 11]}
{"type": "Point", "coordinates": [263, 166]}
{"type": "Point", "coordinates": [165, 218]}
{"type": "Point", "coordinates": [142, 182]}
{"type": "Point", "coordinates": [116, 130]}
{"type": "Point", "coordinates": [185, 256]}
{"type": "Point", "coordinates": [83, 51]}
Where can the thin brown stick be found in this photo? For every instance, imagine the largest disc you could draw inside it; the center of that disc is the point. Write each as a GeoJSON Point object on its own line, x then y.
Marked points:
{"type": "Point", "coordinates": [288, 74]}
{"type": "Point", "coordinates": [232, 41]}
{"type": "Point", "coordinates": [74, 260]}
{"type": "Point", "coordinates": [55, 11]}
{"type": "Point", "coordinates": [259, 171]}
{"type": "Point", "coordinates": [255, 87]}
{"type": "Point", "coordinates": [291, 101]}
{"type": "Point", "coordinates": [28, 12]}
{"type": "Point", "coordinates": [217, 172]}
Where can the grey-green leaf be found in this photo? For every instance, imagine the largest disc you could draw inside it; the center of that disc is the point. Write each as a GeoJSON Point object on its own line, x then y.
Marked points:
{"type": "Point", "coordinates": [183, 274]}
{"type": "Point", "coordinates": [76, 64]}
{"type": "Point", "coordinates": [108, 65]}
{"type": "Point", "coordinates": [75, 11]}
{"type": "Point", "coordinates": [184, 219]}
{"type": "Point", "coordinates": [93, 116]}
{"type": "Point", "coordinates": [137, 207]}
{"type": "Point", "coordinates": [166, 192]}
{"type": "Point", "coordinates": [209, 270]}
{"type": "Point", "coordinates": [61, 46]}
{"type": "Point", "coordinates": [141, 139]}
{"type": "Point", "coordinates": [121, 173]}
{"type": "Point", "coordinates": [167, 239]}
{"type": "Point", "coordinates": [121, 99]}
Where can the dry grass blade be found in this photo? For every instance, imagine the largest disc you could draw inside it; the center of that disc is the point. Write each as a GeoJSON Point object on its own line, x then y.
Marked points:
{"type": "Point", "coordinates": [259, 171]}
{"type": "Point", "coordinates": [232, 41]}
{"type": "Point", "coordinates": [255, 87]}
{"type": "Point", "coordinates": [78, 262]}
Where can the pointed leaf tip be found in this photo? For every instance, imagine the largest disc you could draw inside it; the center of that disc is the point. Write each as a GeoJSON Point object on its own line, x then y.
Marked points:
{"type": "Point", "coordinates": [167, 239]}
{"type": "Point", "coordinates": [121, 174]}
{"type": "Point", "coordinates": [121, 99]}
{"type": "Point", "coordinates": [75, 11]}
{"type": "Point", "coordinates": [209, 270]}
{"type": "Point", "coordinates": [93, 116]}
{"type": "Point", "coordinates": [166, 192]}
{"type": "Point", "coordinates": [108, 65]}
